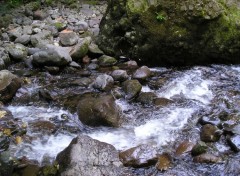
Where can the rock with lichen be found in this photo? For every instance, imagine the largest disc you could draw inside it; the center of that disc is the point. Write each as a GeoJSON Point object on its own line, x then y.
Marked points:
{"type": "Point", "coordinates": [172, 32]}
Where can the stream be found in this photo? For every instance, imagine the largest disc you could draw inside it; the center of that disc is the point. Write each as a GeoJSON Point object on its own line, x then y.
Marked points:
{"type": "Point", "coordinates": [195, 92]}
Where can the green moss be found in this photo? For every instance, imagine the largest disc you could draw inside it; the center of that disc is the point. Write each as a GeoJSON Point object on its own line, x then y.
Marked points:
{"type": "Point", "coordinates": [91, 2]}
{"type": "Point", "coordinates": [5, 21]}
{"type": "Point", "coordinates": [134, 6]}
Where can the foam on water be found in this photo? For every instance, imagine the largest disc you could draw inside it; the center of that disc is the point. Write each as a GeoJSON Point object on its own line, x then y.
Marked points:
{"type": "Point", "coordinates": [191, 85]}
{"type": "Point", "coordinates": [160, 130]}
{"type": "Point", "coordinates": [41, 146]}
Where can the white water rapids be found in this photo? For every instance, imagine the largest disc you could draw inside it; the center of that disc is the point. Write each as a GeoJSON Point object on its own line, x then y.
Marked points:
{"type": "Point", "coordinates": [161, 126]}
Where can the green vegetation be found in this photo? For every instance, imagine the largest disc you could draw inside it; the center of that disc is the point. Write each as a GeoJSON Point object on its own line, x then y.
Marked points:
{"type": "Point", "coordinates": [160, 17]}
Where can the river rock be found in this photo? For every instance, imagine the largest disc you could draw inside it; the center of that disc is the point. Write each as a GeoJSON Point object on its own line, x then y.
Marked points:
{"type": "Point", "coordinates": [42, 126]}
{"type": "Point", "coordinates": [4, 59]}
{"type": "Point", "coordinates": [184, 147]}
{"type": "Point", "coordinates": [81, 49]}
{"type": "Point", "coordinates": [51, 56]}
{"type": "Point", "coordinates": [199, 148]}
{"type": "Point", "coordinates": [94, 51]}
{"type": "Point", "coordinates": [210, 133]}
{"type": "Point", "coordinates": [140, 156]}
{"type": "Point", "coordinates": [146, 97]}
{"type": "Point", "coordinates": [131, 88]}
{"type": "Point", "coordinates": [81, 26]}
{"type": "Point", "coordinates": [96, 111]}
{"type": "Point", "coordinates": [164, 162]}
{"type": "Point", "coordinates": [234, 142]}
{"type": "Point", "coordinates": [142, 73]}
{"type": "Point", "coordinates": [42, 39]}
{"type": "Point", "coordinates": [68, 38]}
{"type": "Point", "coordinates": [6, 163]}
{"type": "Point", "coordinates": [9, 84]}
{"type": "Point", "coordinates": [24, 39]}
{"type": "Point", "coordinates": [207, 158]}
{"type": "Point", "coordinates": [88, 157]}
{"type": "Point", "coordinates": [40, 14]}
{"type": "Point", "coordinates": [160, 101]}
{"type": "Point", "coordinates": [103, 82]}
{"type": "Point", "coordinates": [15, 33]}
{"type": "Point", "coordinates": [106, 61]}
{"type": "Point", "coordinates": [155, 34]}
{"type": "Point", "coordinates": [17, 52]}
{"type": "Point", "coordinates": [120, 75]}
{"type": "Point", "coordinates": [209, 120]}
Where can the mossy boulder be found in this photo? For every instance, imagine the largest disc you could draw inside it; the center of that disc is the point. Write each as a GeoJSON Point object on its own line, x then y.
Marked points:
{"type": "Point", "coordinates": [172, 32]}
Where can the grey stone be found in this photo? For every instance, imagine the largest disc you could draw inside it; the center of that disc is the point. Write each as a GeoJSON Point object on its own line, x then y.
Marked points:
{"type": "Point", "coordinates": [4, 59]}
{"type": "Point", "coordinates": [81, 49]}
{"type": "Point", "coordinates": [103, 82]}
{"type": "Point", "coordinates": [18, 52]}
{"type": "Point", "coordinates": [131, 88]}
{"type": "Point", "coordinates": [23, 39]}
{"type": "Point", "coordinates": [119, 75]}
{"type": "Point", "coordinates": [88, 157]}
{"type": "Point", "coordinates": [142, 73]}
{"type": "Point", "coordinates": [68, 38]}
{"type": "Point", "coordinates": [51, 56]}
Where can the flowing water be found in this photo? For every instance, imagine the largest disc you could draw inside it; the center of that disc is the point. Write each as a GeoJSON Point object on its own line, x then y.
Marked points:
{"type": "Point", "coordinates": [195, 92]}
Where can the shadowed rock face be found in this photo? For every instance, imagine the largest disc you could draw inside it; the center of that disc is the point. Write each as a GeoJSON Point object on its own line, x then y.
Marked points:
{"type": "Point", "coordinates": [172, 32]}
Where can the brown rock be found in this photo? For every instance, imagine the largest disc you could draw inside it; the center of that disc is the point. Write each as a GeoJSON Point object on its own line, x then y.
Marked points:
{"type": "Point", "coordinates": [164, 162]}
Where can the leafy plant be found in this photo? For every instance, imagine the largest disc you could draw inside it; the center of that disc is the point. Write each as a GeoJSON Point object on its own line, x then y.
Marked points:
{"type": "Point", "coordinates": [160, 17]}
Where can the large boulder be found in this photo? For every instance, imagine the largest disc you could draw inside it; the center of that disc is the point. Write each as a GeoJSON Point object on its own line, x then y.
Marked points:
{"type": "Point", "coordinates": [172, 32]}
{"type": "Point", "coordinates": [88, 157]}
{"type": "Point", "coordinates": [52, 56]}
{"type": "Point", "coordinates": [99, 110]}
{"type": "Point", "coordinates": [9, 84]}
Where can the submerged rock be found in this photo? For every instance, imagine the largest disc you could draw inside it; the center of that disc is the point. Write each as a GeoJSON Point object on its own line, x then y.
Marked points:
{"type": "Point", "coordinates": [210, 133]}
{"type": "Point", "coordinates": [172, 32]}
{"type": "Point", "coordinates": [140, 156]}
{"type": "Point", "coordinates": [96, 111]}
{"type": "Point", "coordinates": [207, 158]}
{"type": "Point", "coordinates": [164, 162]}
{"type": "Point", "coordinates": [88, 157]}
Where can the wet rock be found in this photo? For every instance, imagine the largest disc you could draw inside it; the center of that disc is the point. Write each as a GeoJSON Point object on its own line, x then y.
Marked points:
{"type": "Point", "coordinates": [40, 15]}
{"type": "Point", "coordinates": [103, 82]}
{"type": "Point", "coordinates": [9, 84]}
{"type": "Point", "coordinates": [140, 156]}
{"type": "Point", "coordinates": [119, 75]}
{"type": "Point", "coordinates": [199, 148]}
{"type": "Point", "coordinates": [164, 162]}
{"type": "Point", "coordinates": [146, 97]}
{"type": "Point", "coordinates": [4, 143]}
{"type": "Point", "coordinates": [68, 38]}
{"type": "Point", "coordinates": [18, 52]}
{"type": "Point", "coordinates": [210, 133]}
{"type": "Point", "coordinates": [42, 126]}
{"type": "Point", "coordinates": [106, 61]}
{"type": "Point", "coordinates": [4, 59]}
{"type": "Point", "coordinates": [132, 88]}
{"type": "Point", "coordinates": [30, 170]}
{"type": "Point", "coordinates": [130, 64]}
{"type": "Point", "coordinates": [52, 70]}
{"type": "Point", "coordinates": [156, 84]}
{"type": "Point", "coordinates": [142, 73]}
{"type": "Point", "coordinates": [81, 49]}
{"type": "Point", "coordinates": [52, 56]}
{"type": "Point", "coordinates": [88, 157]}
{"type": "Point", "coordinates": [234, 142]}
{"type": "Point", "coordinates": [96, 111]}
{"type": "Point", "coordinates": [207, 158]}
{"type": "Point", "coordinates": [45, 95]}
{"type": "Point", "coordinates": [184, 147]}
{"type": "Point", "coordinates": [24, 39]}
{"type": "Point", "coordinates": [42, 39]}
{"type": "Point", "coordinates": [6, 164]}
{"type": "Point", "coordinates": [83, 82]}
{"type": "Point", "coordinates": [162, 102]}
{"type": "Point", "coordinates": [75, 65]}
{"type": "Point", "coordinates": [209, 120]}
